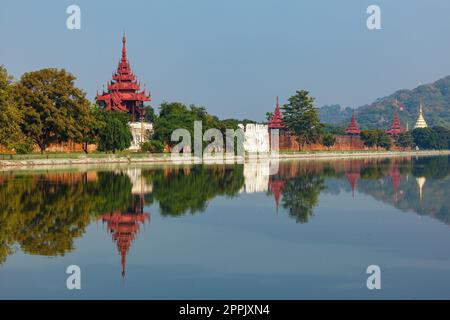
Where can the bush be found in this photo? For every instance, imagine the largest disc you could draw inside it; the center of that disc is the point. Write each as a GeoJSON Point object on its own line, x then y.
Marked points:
{"type": "Point", "coordinates": [24, 148]}
{"type": "Point", "coordinates": [328, 140]}
{"type": "Point", "coordinates": [153, 146]}
{"type": "Point", "coordinates": [376, 138]}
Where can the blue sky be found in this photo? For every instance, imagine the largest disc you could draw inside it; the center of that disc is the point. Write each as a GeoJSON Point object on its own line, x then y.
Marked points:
{"type": "Point", "coordinates": [235, 56]}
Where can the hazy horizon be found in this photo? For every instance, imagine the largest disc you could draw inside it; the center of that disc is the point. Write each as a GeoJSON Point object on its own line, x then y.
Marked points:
{"type": "Point", "coordinates": [235, 57]}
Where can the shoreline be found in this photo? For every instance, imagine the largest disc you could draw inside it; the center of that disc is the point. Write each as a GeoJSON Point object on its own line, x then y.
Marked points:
{"type": "Point", "coordinates": [158, 159]}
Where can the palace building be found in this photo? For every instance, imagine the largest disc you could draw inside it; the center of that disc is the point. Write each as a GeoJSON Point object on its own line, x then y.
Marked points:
{"type": "Point", "coordinates": [123, 91]}
{"type": "Point", "coordinates": [124, 94]}
{"type": "Point", "coordinates": [396, 127]}
{"type": "Point", "coordinates": [353, 128]}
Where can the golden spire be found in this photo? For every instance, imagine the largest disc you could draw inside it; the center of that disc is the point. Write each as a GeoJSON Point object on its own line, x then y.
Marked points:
{"type": "Point", "coordinates": [421, 123]}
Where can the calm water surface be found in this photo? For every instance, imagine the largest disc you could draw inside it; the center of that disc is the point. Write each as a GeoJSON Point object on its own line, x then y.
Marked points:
{"type": "Point", "coordinates": [232, 232]}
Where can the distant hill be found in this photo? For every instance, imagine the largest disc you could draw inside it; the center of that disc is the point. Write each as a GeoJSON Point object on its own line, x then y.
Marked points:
{"type": "Point", "coordinates": [379, 114]}
{"type": "Point", "coordinates": [335, 114]}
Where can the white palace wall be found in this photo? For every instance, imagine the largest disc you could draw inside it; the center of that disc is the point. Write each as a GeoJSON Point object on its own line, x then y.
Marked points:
{"type": "Point", "coordinates": [141, 131]}
{"type": "Point", "coordinates": [256, 138]}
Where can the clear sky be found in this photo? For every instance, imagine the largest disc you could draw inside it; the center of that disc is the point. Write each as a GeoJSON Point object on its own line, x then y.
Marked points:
{"type": "Point", "coordinates": [235, 56]}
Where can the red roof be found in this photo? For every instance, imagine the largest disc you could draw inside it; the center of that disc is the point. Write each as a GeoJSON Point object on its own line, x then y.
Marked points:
{"type": "Point", "coordinates": [123, 228]}
{"type": "Point", "coordinates": [396, 127]}
{"type": "Point", "coordinates": [353, 127]}
{"type": "Point", "coordinates": [123, 91]}
{"type": "Point", "coordinates": [276, 122]}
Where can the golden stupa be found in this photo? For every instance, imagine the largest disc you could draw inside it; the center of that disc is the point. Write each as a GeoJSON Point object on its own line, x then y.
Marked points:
{"type": "Point", "coordinates": [421, 123]}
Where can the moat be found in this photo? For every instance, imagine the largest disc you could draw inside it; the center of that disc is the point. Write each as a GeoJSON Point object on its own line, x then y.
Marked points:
{"type": "Point", "coordinates": [228, 231]}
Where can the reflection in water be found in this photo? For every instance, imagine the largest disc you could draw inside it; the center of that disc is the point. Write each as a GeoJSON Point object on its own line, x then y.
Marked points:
{"type": "Point", "coordinates": [42, 213]}
{"type": "Point", "coordinates": [125, 226]}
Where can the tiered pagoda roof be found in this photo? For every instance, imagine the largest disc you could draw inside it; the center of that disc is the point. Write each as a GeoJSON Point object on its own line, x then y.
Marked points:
{"type": "Point", "coordinates": [353, 127]}
{"type": "Point", "coordinates": [124, 91]}
{"type": "Point", "coordinates": [396, 178]}
{"type": "Point", "coordinates": [276, 187]}
{"type": "Point", "coordinates": [353, 178]}
{"type": "Point", "coordinates": [124, 227]}
{"type": "Point", "coordinates": [396, 127]}
{"type": "Point", "coordinates": [276, 122]}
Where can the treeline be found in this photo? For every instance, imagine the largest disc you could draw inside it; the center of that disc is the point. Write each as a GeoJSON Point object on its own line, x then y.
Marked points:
{"type": "Point", "coordinates": [176, 115]}
{"type": "Point", "coordinates": [437, 138]}
{"type": "Point", "coordinates": [45, 107]}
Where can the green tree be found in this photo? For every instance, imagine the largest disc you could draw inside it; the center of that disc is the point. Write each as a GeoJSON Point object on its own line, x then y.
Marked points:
{"type": "Point", "coordinates": [150, 115]}
{"type": "Point", "coordinates": [444, 136]}
{"type": "Point", "coordinates": [369, 138]}
{"type": "Point", "coordinates": [54, 109]}
{"type": "Point", "coordinates": [376, 138]}
{"type": "Point", "coordinates": [405, 140]}
{"type": "Point", "coordinates": [172, 116]}
{"type": "Point", "coordinates": [425, 138]}
{"type": "Point", "coordinates": [153, 146]}
{"type": "Point", "coordinates": [384, 141]}
{"type": "Point", "coordinates": [334, 129]}
{"type": "Point", "coordinates": [176, 115]}
{"type": "Point", "coordinates": [328, 140]}
{"type": "Point", "coordinates": [302, 118]}
{"type": "Point", "coordinates": [115, 133]}
{"type": "Point", "coordinates": [90, 128]}
{"type": "Point", "coordinates": [11, 117]}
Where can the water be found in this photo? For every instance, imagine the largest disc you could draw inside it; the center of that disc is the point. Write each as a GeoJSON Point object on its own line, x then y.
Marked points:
{"type": "Point", "coordinates": [228, 232]}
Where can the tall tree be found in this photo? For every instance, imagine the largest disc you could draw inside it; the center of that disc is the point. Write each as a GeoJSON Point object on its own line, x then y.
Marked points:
{"type": "Point", "coordinates": [302, 118]}
{"type": "Point", "coordinates": [11, 116]}
{"type": "Point", "coordinates": [115, 133]}
{"type": "Point", "coordinates": [90, 126]}
{"type": "Point", "coordinates": [54, 108]}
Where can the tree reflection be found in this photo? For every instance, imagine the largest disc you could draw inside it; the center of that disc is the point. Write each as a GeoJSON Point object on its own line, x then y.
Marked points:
{"type": "Point", "coordinates": [43, 213]}
{"type": "Point", "coordinates": [301, 195]}
{"type": "Point", "coordinates": [431, 167]}
{"type": "Point", "coordinates": [182, 190]}
{"type": "Point", "coordinates": [42, 216]}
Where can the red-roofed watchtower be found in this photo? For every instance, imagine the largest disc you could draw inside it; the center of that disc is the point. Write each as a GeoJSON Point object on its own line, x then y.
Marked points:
{"type": "Point", "coordinates": [353, 127]}
{"type": "Point", "coordinates": [123, 91]}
